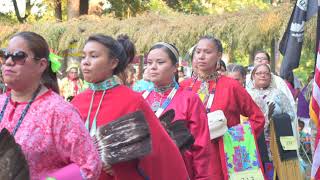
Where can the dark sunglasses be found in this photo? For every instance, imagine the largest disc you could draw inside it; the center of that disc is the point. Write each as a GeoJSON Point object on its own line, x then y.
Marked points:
{"type": "Point", "coordinates": [18, 57]}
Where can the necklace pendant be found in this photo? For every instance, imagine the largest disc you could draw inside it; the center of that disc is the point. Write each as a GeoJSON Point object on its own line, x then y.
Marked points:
{"type": "Point", "coordinates": [155, 106]}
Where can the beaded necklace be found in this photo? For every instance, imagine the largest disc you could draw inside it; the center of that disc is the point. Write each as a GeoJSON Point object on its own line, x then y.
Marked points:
{"type": "Point", "coordinates": [163, 89]}
{"type": "Point", "coordinates": [204, 94]}
{"type": "Point", "coordinates": [214, 76]}
{"type": "Point", "coordinates": [24, 112]}
{"type": "Point", "coordinates": [103, 86]}
{"type": "Point", "coordinates": [156, 105]}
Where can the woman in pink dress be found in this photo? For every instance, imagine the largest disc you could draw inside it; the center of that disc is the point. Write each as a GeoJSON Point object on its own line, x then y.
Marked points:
{"type": "Point", "coordinates": [49, 130]}
{"type": "Point", "coordinates": [162, 64]}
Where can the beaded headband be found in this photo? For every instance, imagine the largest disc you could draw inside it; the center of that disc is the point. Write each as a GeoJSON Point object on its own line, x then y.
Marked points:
{"type": "Point", "coordinates": [170, 47]}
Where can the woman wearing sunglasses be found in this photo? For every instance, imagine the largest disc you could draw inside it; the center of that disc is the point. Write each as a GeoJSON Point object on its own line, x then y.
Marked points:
{"type": "Point", "coordinates": [106, 100]}
{"type": "Point", "coordinates": [49, 130]}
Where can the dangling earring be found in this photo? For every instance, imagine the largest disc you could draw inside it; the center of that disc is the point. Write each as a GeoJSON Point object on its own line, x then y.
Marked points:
{"type": "Point", "coordinates": [217, 66]}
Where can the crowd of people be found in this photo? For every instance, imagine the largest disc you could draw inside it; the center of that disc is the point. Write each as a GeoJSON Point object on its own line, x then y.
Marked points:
{"type": "Point", "coordinates": [224, 113]}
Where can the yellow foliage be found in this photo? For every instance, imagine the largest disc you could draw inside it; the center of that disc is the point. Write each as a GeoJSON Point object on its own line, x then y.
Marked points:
{"type": "Point", "coordinates": [243, 30]}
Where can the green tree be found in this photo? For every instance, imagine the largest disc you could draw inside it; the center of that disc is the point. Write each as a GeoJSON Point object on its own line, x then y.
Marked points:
{"type": "Point", "coordinates": [187, 6]}
{"type": "Point", "coordinates": [214, 6]}
{"type": "Point", "coordinates": [220, 6]}
{"type": "Point", "coordinates": [128, 8]}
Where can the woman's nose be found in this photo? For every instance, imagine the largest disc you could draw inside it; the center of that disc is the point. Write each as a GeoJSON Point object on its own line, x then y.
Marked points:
{"type": "Point", "coordinates": [153, 66]}
{"type": "Point", "coordinates": [201, 56]}
{"type": "Point", "coordinates": [9, 61]}
{"type": "Point", "coordinates": [85, 61]}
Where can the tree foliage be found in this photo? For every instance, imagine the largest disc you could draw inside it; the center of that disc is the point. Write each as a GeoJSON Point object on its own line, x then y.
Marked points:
{"type": "Point", "coordinates": [127, 8]}
{"type": "Point", "coordinates": [249, 29]}
{"type": "Point", "coordinates": [241, 31]}
{"type": "Point", "coordinates": [201, 7]}
{"type": "Point", "coordinates": [56, 9]}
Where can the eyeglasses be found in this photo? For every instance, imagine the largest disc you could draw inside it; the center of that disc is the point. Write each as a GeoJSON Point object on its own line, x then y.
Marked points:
{"type": "Point", "coordinates": [18, 57]}
{"type": "Point", "coordinates": [263, 73]}
{"type": "Point", "coordinates": [261, 59]}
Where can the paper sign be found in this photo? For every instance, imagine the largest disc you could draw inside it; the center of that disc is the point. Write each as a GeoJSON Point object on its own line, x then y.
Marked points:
{"type": "Point", "coordinates": [247, 175]}
{"type": "Point", "coordinates": [288, 143]}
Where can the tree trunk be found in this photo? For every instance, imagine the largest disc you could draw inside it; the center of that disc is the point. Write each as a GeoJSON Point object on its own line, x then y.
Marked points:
{"type": "Point", "coordinates": [84, 7]}
{"type": "Point", "coordinates": [273, 55]}
{"type": "Point", "coordinates": [140, 67]}
{"type": "Point", "coordinates": [73, 8]}
{"type": "Point", "coordinates": [28, 8]}
{"type": "Point", "coordinates": [58, 10]}
{"type": "Point", "coordinates": [230, 55]}
{"type": "Point", "coordinates": [251, 55]}
{"type": "Point", "coordinates": [27, 11]}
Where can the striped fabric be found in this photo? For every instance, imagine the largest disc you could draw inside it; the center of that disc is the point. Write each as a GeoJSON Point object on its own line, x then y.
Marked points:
{"type": "Point", "coordinates": [315, 99]}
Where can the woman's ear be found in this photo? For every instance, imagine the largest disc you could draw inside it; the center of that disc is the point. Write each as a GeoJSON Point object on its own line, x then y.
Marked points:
{"type": "Point", "coordinates": [220, 55]}
{"type": "Point", "coordinates": [43, 64]}
{"type": "Point", "coordinates": [114, 63]}
{"type": "Point", "coordinates": [176, 66]}
{"type": "Point", "coordinates": [218, 65]}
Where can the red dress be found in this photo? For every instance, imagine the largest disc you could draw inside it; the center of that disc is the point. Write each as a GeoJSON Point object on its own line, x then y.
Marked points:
{"type": "Point", "coordinates": [188, 107]}
{"type": "Point", "coordinates": [164, 162]}
{"type": "Point", "coordinates": [233, 100]}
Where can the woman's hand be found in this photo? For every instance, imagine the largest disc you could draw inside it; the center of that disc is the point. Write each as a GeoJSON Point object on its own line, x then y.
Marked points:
{"type": "Point", "coordinates": [108, 169]}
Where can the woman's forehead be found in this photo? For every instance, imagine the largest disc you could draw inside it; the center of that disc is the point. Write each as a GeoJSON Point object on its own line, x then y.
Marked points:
{"type": "Point", "coordinates": [94, 46]}
{"type": "Point", "coordinates": [263, 68]}
{"type": "Point", "coordinates": [157, 53]}
{"type": "Point", "coordinates": [18, 43]}
{"type": "Point", "coordinates": [205, 44]}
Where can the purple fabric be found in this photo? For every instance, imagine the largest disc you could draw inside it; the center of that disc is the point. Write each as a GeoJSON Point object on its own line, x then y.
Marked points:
{"type": "Point", "coordinates": [269, 170]}
{"type": "Point", "coordinates": [303, 105]}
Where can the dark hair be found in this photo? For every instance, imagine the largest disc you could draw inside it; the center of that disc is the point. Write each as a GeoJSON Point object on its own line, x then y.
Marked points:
{"type": "Point", "coordinates": [116, 50]}
{"type": "Point", "coordinates": [237, 68]}
{"type": "Point", "coordinates": [40, 48]}
{"type": "Point", "coordinates": [301, 124]}
{"type": "Point", "coordinates": [290, 78]}
{"type": "Point", "coordinates": [171, 55]}
{"type": "Point", "coordinates": [128, 46]}
{"type": "Point", "coordinates": [263, 52]}
{"type": "Point", "coordinates": [215, 41]}
{"type": "Point", "coordinates": [222, 64]}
